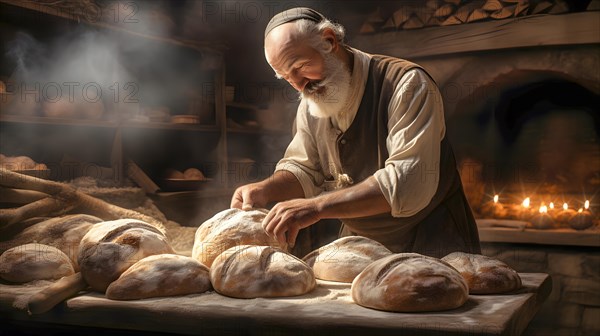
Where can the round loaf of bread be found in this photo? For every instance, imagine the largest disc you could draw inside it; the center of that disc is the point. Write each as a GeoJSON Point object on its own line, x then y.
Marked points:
{"type": "Point", "coordinates": [34, 262]}
{"type": "Point", "coordinates": [484, 275]}
{"type": "Point", "coordinates": [251, 271]}
{"type": "Point", "coordinates": [409, 282]}
{"type": "Point", "coordinates": [64, 233]}
{"type": "Point", "coordinates": [109, 248]}
{"type": "Point", "coordinates": [160, 275]}
{"type": "Point", "coordinates": [229, 228]}
{"type": "Point", "coordinates": [17, 163]}
{"type": "Point", "coordinates": [193, 174]}
{"type": "Point", "coordinates": [62, 107]}
{"type": "Point", "coordinates": [173, 174]}
{"type": "Point", "coordinates": [343, 259]}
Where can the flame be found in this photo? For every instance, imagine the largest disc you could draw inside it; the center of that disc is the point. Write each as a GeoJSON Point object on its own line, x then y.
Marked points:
{"type": "Point", "coordinates": [496, 197]}
{"type": "Point", "coordinates": [551, 206]}
{"type": "Point", "coordinates": [565, 206]}
{"type": "Point", "coordinates": [587, 204]}
{"type": "Point", "coordinates": [543, 209]}
{"type": "Point", "coordinates": [526, 202]}
{"type": "Point", "coordinates": [580, 210]}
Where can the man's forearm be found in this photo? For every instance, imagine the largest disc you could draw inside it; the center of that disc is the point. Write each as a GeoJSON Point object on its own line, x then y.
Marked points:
{"type": "Point", "coordinates": [361, 200]}
{"type": "Point", "coordinates": [282, 186]}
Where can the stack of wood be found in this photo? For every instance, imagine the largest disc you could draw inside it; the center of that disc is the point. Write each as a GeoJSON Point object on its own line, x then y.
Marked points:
{"type": "Point", "coordinates": [453, 12]}
{"type": "Point", "coordinates": [36, 197]}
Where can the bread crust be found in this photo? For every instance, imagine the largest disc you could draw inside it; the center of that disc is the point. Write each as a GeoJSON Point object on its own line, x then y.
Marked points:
{"type": "Point", "coordinates": [64, 233]}
{"type": "Point", "coordinates": [160, 275]}
{"type": "Point", "coordinates": [409, 282]}
{"type": "Point", "coordinates": [109, 248]}
{"type": "Point", "coordinates": [483, 274]}
{"type": "Point", "coordinates": [251, 271]}
{"type": "Point", "coordinates": [34, 261]}
{"type": "Point", "coordinates": [344, 258]}
{"type": "Point", "coordinates": [229, 228]}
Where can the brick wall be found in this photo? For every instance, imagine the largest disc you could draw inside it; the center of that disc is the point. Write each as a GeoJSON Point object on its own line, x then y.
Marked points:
{"type": "Point", "coordinates": [573, 307]}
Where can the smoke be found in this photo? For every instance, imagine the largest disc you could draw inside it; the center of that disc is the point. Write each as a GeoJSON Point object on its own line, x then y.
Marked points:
{"type": "Point", "coordinates": [95, 73]}
{"type": "Point", "coordinates": [25, 51]}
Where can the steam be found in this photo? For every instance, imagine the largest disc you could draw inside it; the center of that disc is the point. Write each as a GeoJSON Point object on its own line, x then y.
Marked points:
{"type": "Point", "coordinates": [130, 75]}
{"type": "Point", "coordinates": [94, 73]}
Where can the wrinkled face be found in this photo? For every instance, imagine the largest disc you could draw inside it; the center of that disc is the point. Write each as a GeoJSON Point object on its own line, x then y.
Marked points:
{"type": "Point", "coordinates": [294, 60]}
{"type": "Point", "coordinates": [321, 78]}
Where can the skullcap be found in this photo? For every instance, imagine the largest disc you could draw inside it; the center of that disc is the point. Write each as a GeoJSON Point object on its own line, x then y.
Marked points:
{"type": "Point", "coordinates": [293, 14]}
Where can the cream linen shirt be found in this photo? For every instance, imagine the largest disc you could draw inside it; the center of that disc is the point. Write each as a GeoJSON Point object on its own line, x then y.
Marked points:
{"type": "Point", "coordinates": [416, 127]}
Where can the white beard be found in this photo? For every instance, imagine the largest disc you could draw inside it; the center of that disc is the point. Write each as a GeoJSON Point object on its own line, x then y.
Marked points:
{"type": "Point", "coordinates": [335, 90]}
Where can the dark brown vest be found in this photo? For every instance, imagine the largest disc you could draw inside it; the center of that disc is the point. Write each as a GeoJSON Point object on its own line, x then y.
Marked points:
{"type": "Point", "coordinates": [446, 224]}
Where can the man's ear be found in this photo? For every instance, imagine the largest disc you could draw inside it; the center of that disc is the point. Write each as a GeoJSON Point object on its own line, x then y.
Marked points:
{"type": "Point", "coordinates": [330, 37]}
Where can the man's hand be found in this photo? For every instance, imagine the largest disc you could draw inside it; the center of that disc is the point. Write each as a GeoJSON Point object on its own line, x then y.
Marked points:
{"type": "Point", "coordinates": [282, 185]}
{"type": "Point", "coordinates": [290, 217]}
{"type": "Point", "coordinates": [249, 196]}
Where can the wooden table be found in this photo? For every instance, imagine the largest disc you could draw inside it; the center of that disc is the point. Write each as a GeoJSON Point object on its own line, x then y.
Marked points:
{"type": "Point", "coordinates": [328, 310]}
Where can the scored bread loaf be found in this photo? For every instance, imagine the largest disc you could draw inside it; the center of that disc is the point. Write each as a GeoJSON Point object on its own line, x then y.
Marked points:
{"type": "Point", "coordinates": [34, 262]}
{"type": "Point", "coordinates": [409, 282]}
{"type": "Point", "coordinates": [484, 275]}
{"type": "Point", "coordinates": [229, 228]}
{"type": "Point", "coordinates": [160, 275]}
{"type": "Point", "coordinates": [109, 248]}
{"type": "Point", "coordinates": [64, 233]}
{"type": "Point", "coordinates": [251, 271]}
{"type": "Point", "coordinates": [343, 259]}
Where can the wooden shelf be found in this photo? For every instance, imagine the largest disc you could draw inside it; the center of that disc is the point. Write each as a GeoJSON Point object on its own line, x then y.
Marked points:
{"type": "Point", "coordinates": [105, 123]}
{"type": "Point", "coordinates": [125, 144]}
{"type": "Point", "coordinates": [18, 119]}
{"type": "Point", "coordinates": [528, 31]}
{"type": "Point", "coordinates": [246, 106]}
{"type": "Point", "coordinates": [259, 131]}
{"type": "Point", "coordinates": [589, 237]}
{"type": "Point", "coordinates": [171, 126]}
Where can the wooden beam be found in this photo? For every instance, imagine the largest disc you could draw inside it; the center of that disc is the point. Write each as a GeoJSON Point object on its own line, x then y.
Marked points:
{"type": "Point", "coordinates": [567, 237]}
{"type": "Point", "coordinates": [528, 31]}
{"type": "Point", "coordinates": [211, 47]}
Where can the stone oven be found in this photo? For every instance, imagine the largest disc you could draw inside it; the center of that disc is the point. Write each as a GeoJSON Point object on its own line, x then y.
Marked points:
{"type": "Point", "coordinates": [521, 97]}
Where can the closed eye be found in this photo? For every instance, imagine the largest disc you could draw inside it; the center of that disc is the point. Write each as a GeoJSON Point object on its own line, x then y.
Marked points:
{"type": "Point", "coordinates": [294, 69]}
{"type": "Point", "coordinates": [302, 65]}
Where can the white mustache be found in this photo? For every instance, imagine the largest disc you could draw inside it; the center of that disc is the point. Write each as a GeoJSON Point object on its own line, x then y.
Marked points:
{"type": "Point", "coordinates": [315, 86]}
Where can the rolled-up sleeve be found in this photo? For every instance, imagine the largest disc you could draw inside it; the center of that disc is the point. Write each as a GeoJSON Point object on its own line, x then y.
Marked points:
{"type": "Point", "coordinates": [416, 127]}
{"type": "Point", "coordinates": [301, 157]}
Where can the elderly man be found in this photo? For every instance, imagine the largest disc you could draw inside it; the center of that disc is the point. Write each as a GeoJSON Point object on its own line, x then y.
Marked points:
{"type": "Point", "coordinates": [369, 146]}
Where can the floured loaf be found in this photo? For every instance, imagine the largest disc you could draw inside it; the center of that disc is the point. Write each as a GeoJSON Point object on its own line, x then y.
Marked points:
{"type": "Point", "coordinates": [109, 248]}
{"type": "Point", "coordinates": [160, 275]}
{"type": "Point", "coordinates": [19, 163]}
{"type": "Point", "coordinates": [64, 233]}
{"type": "Point", "coordinates": [251, 271]}
{"type": "Point", "coordinates": [34, 262]}
{"type": "Point", "coordinates": [484, 275]}
{"type": "Point", "coordinates": [229, 228]}
{"type": "Point", "coordinates": [343, 259]}
{"type": "Point", "coordinates": [410, 282]}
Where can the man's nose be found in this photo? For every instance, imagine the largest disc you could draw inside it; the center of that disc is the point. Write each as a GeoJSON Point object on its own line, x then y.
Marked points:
{"type": "Point", "coordinates": [298, 82]}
